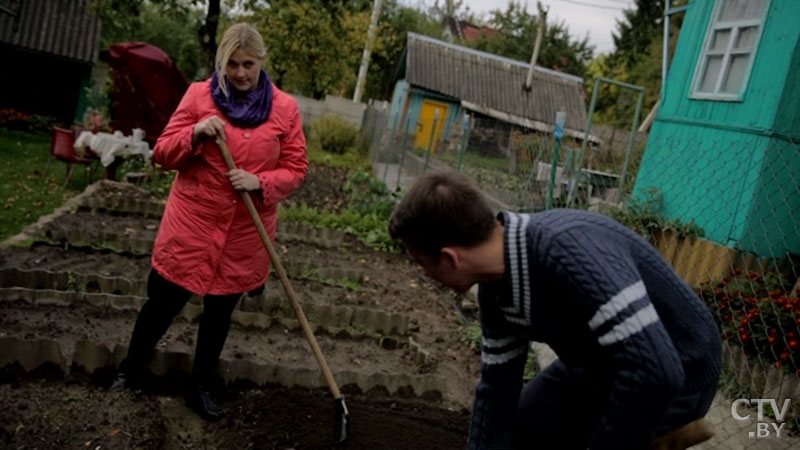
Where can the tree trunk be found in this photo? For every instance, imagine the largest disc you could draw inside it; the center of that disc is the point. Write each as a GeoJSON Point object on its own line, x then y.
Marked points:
{"type": "Point", "coordinates": [207, 34]}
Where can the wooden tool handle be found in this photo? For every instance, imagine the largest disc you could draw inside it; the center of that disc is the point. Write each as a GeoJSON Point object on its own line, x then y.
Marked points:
{"type": "Point", "coordinates": [287, 286]}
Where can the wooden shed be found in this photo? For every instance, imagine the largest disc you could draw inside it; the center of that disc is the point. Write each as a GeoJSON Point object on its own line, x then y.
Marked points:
{"type": "Point", "coordinates": [48, 48]}
{"type": "Point", "coordinates": [437, 78]}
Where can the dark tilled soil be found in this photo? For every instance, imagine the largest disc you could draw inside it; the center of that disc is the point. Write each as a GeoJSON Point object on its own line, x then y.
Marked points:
{"type": "Point", "coordinates": [48, 415]}
{"type": "Point", "coordinates": [323, 189]}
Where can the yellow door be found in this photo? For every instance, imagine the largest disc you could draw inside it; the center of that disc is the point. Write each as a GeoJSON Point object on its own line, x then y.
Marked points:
{"type": "Point", "coordinates": [425, 126]}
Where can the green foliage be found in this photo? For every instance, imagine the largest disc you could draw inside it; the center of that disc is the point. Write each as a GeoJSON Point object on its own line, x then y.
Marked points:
{"type": "Point", "coordinates": [395, 21]}
{"type": "Point", "coordinates": [170, 25]}
{"type": "Point", "coordinates": [531, 365]}
{"type": "Point", "coordinates": [636, 60]}
{"type": "Point", "coordinates": [334, 134]}
{"type": "Point", "coordinates": [759, 312]}
{"type": "Point", "coordinates": [157, 180]}
{"type": "Point", "coordinates": [644, 214]}
{"type": "Point", "coordinates": [26, 194]}
{"type": "Point", "coordinates": [517, 34]}
{"type": "Point", "coordinates": [366, 216]}
{"type": "Point", "coordinates": [350, 160]}
{"type": "Point", "coordinates": [471, 336]}
{"type": "Point", "coordinates": [314, 46]}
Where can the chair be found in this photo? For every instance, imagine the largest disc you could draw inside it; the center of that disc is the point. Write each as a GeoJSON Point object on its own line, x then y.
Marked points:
{"type": "Point", "coordinates": [62, 149]}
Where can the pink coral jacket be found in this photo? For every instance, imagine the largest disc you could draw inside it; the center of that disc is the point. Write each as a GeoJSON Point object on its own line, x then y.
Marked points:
{"type": "Point", "coordinates": [207, 242]}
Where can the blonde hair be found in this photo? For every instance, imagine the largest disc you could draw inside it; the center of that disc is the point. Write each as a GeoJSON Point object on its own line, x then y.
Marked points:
{"type": "Point", "coordinates": [240, 35]}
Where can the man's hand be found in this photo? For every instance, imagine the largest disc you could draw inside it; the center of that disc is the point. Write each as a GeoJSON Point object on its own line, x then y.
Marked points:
{"type": "Point", "coordinates": [208, 128]}
{"type": "Point", "coordinates": [243, 180]}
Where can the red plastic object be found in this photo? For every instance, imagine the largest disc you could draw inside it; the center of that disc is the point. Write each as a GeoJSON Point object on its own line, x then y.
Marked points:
{"type": "Point", "coordinates": [147, 88]}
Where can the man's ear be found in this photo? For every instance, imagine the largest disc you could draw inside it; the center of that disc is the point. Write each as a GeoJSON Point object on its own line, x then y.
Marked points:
{"type": "Point", "coordinates": [451, 256]}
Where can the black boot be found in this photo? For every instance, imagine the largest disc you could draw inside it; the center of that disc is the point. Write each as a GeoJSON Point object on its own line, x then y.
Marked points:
{"type": "Point", "coordinates": [200, 401]}
{"type": "Point", "coordinates": [127, 378]}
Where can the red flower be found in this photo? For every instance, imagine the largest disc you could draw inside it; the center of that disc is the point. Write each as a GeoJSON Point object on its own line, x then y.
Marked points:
{"type": "Point", "coordinates": [791, 335]}
{"type": "Point", "coordinates": [772, 339]}
{"type": "Point", "coordinates": [745, 336]}
{"type": "Point", "coordinates": [793, 344]}
{"type": "Point", "coordinates": [778, 364]}
{"type": "Point", "coordinates": [784, 355]}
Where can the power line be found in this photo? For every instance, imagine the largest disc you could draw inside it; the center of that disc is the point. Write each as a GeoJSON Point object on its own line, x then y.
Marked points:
{"type": "Point", "coordinates": [591, 5]}
{"type": "Point", "coordinates": [627, 2]}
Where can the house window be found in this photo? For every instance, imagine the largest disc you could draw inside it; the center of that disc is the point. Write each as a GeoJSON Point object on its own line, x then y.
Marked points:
{"type": "Point", "coordinates": [729, 49]}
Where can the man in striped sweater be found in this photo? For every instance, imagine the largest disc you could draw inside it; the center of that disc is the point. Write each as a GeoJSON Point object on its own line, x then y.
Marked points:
{"type": "Point", "coordinates": [639, 353]}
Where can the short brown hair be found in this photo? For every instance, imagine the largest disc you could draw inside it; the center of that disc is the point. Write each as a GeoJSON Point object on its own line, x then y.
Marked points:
{"type": "Point", "coordinates": [442, 208]}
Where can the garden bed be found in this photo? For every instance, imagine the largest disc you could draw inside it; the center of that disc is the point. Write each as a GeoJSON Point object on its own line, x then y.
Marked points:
{"type": "Point", "coordinates": [74, 282]}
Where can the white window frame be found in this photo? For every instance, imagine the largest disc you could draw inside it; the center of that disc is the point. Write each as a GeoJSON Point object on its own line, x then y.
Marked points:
{"type": "Point", "coordinates": [734, 26]}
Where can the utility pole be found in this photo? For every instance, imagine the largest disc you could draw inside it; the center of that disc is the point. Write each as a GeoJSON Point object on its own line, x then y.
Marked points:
{"type": "Point", "coordinates": [362, 71]}
{"type": "Point", "coordinates": [539, 35]}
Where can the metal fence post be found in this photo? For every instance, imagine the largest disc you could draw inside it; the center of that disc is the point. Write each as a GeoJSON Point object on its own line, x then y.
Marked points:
{"type": "Point", "coordinates": [561, 119]}
{"type": "Point", "coordinates": [464, 141]}
{"type": "Point", "coordinates": [630, 144]}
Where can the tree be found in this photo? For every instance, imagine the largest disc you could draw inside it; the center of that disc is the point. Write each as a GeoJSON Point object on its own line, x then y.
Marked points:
{"type": "Point", "coordinates": [314, 47]}
{"type": "Point", "coordinates": [636, 59]}
{"type": "Point", "coordinates": [516, 37]}
{"type": "Point", "coordinates": [171, 26]}
{"type": "Point", "coordinates": [395, 23]}
{"type": "Point", "coordinates": [639, 26]}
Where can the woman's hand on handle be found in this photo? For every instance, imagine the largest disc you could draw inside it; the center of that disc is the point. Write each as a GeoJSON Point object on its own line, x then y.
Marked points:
{"type": "Point", "coordinates": [211, 127]}
{"type": "Point", "coordinates": [242, 180]}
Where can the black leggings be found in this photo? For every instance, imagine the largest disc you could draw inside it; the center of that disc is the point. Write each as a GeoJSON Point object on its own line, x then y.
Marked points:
{"type": "Point", "coordinates": [165, 301]}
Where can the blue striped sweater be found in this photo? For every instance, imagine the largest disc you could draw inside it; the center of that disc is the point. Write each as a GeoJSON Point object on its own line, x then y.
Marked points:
{"type": "Point", "coordinates": [601, 297]}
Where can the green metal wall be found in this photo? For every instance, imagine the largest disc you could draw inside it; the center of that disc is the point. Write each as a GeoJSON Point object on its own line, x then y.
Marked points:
{"type": "Point", "coordinates": [731, 166]}
{"type": "Point", "coordinates": [787, 121]}
{"type": "Point", "coordinates": [772, 226]}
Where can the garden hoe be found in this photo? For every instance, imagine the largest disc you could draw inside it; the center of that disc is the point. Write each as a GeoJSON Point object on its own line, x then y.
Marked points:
{"type": "Point", "coordinates": [340, 430]}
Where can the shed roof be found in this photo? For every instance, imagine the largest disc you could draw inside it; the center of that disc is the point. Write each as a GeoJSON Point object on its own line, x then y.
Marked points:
{"type": "Point", "coordinates": [64, 28]}
{"type": "Point", "coordinates": [493, 85]}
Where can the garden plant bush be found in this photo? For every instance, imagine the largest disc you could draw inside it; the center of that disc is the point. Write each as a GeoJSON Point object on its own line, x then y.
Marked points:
{"type": "Point", "coordinates": [334, 134]}
{"type": "Point", "coordinates": [759, 313]}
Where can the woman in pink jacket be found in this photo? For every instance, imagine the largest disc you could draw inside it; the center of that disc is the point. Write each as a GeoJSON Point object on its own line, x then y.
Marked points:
{"type": "Point", "coordinates": [207, 243]}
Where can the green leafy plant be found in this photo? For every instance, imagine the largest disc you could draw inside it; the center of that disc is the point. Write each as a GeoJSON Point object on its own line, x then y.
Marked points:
{"type": "Point", "coordinates": [644, 214]}
{"type": "Point", "coordinates": [760, 314]}
{"type": "Point", "coordinates": [334, 134]}
{"type": "Point", "coordinates": [366, 216]}
{"type": "Point", "coordinates": [471, 336]}
{"type": "Point", "coordinates": [531, 365]}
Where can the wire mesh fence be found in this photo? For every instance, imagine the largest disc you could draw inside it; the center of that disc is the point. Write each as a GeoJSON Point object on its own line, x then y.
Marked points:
{"type": "Point", "coordinates": [722, 207]}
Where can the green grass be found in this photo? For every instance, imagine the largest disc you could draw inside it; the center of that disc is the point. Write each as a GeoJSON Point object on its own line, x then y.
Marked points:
{"type": "Point", "coordinates": [351, 159]}
{"type": "Point", "coordinates": [24, 193]}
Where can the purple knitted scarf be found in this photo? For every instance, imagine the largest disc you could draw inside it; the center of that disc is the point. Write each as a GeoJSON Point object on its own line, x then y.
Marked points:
{"type": "Point", "coordinates": [253, 110]}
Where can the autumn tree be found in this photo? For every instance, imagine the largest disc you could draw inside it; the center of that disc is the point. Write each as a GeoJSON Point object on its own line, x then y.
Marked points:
{"type": "Point", "coordinates": [636, 59]}
{"type": "Point", "coordinates": [185, 29]}
{"type": "Point", "coordinates": [516, 37]}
